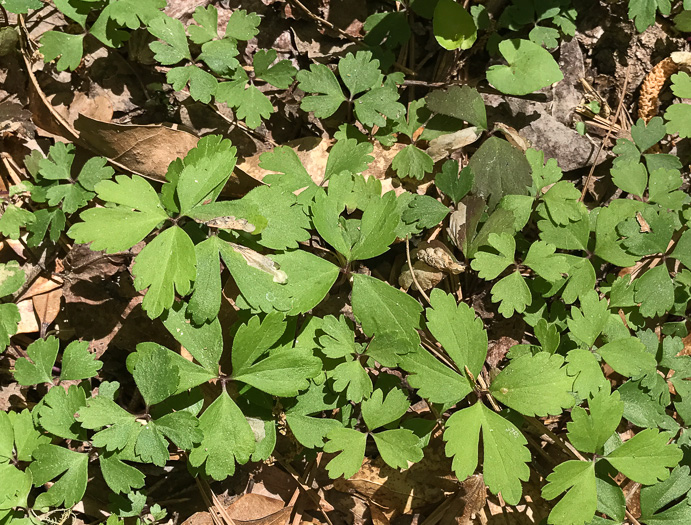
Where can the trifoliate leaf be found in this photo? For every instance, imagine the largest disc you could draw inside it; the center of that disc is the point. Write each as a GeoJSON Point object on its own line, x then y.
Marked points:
{"type": "Point", "coordinates": [51, 461]}
{"type": "Point", "coordinates": [461, 102]}
{"type": "Point", "coordinates": [655, 292]}
{"type": "Point", "coordinates": [513, 293]}
{"type": "Point", "coordinates": [452, 183]}
{"type": "Point", "coordinates": [78, 363]}
{"type": "Point", "coordinates": [378, 411]}
{"type": "Point", "coordinates": [207, 28]}
{"type": "Point", "coordinates": [14, 218]}
{"type": "Point", "coordinates": [320, 79]}
{"type": "Point", "coordinates": [173, 46]}
{"type": "Point", "coordinates": [578, 506]}
{"type": "Point", "coordinates": [515, 386]}
{"type": "Point", "coordinates": [453, 26]}
{"type": "Point", "coordinates": [140, 210]}
{"type": "Point", "coordinates": [202, 84]}
{"type": "Point", "coordinates": [242, 25]}
{"type": "Point", "coordinates": [646, 457]}
{"type": "Point", "coordinates": [544, 262]}
{"type": "Point", "coordinates": [38, 368]}
{"type": "Point", "coordinates": [530, 68]}
{"type": "Point", "coordinates": [505, 451]}
{"type": "Point", "coordinates": [154, 373]}
{"type": "Point", "coordinates": [459, 331]}
{"type": "Point", "coordinates": [588, 322]}
{"type": "Point", "coordinates": [412, 162]}
{"type": "Point", "coordinates": [284, 373]}
{"type": "Point", "coordinates": [228, 438]}
{"type": "Point", "coordinates": [588, 432]}
{"type": "Point", "coordinates": [351, 445]}
{"type": "Point", "coordinates": [280, 75]}
{"type": "Point", "coordinates": [646, 135]}
{"type": "Point", "coordinates": [398, 447]}
{"type": "Point", "coordinates": [56, 414]}
{"type": "Point", "coordinates": [499, 169]}
{"type": "Point", "coordinates": [68, 47]}
{"type": "Point", "coordinates": [120, 477]}
{"type": "Point", "coordinates": [166, 265]}
{"type": "Point", "coordinates": [490, 265]}
{"type": "Point", "coordinates": [12, 278]}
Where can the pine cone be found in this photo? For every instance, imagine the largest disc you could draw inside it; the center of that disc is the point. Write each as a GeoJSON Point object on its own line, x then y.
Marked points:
{"type": "Point", "coordinates": [652, 85]}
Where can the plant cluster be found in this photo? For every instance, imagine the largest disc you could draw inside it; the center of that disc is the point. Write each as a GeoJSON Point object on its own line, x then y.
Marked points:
{"type": "Point", "coordinates": [520, 230]}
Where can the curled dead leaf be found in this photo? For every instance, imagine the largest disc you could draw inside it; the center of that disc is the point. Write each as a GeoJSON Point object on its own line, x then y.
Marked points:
{"type": "Point", "coordinates": [443, 146]}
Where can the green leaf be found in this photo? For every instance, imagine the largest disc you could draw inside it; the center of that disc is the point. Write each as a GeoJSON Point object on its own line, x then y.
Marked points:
{"type": "Point", "coordinates": [120, 477]}
{"type": "Point", "coordinates": [352, 378]}
{"type": "Point", "coordinates": [578, 506]}
{"type": "Point", "coordinates": [6, 440]}
{"type": "Point", "coordinates": [398, 447]}
{"type": "Point", "coordinates": [99, 412]}
{"type": "Point", "coordinates": [561, 201]}
{"type": "Point", "coordinates": [453, 26]}
{"type": "Point", "coordinates": [338, 339]}
{"type": "Point", "coordinates": [227, 438]}
{"type": "Point", "coordinates": [206, 169]}
{"type": "Point", "coordinates": [38, 368]}
{"type": "Point", "coordinates": [78, 363]}
{"type": "Point", "coordinates": [220, 55]}
{"type": "Point", "coordinates": [682, 251]}
{"type": "Point", "coordinates": [14, 491]}
{"type": "Point", "coordinates": [351, 447]}
{"type": "Point", "coordinates": [320, 79]}
{"type": "Point", "coordinates": [490, 265]}
{"type": "Point", "coordinates": [12, 277]}
{"type": "Point", "coordinates": [251, 105]}
{"type": "Point", "coordinates": [452, 183]}
{"type": "Point", "coordinates": [242, 25]}
{"type": "Point", "coordinates": [513, 293]}
{"type": "Point", "coordinates": [310, 431]}
{"type": "Point", "coordinates": [348, 155]}
{"type": "Point", "coordinates": [205, 302]}
{"type": "Point", "coordinates": [588, 322]}
{"type": "Point", "coordinates": [378, 103]}
{"type": "Point", "coordinates": [419, 213]}
{"type": "Point", "coordinates": [655, 292]}
{"type": "Point", "coordinates": [643, 12]}
{"type": "Point", "coordinates": [581, 280]}
{"type": "Point", "coordinates": [378, 411]}
{"type": "Point", "coordinates": [58, 164]}
{"type": "Point", "coordinates": [647, 135]}
{"type": "Point", "coordinates": [252, 339]}
{"type": "Point", "coordinates": [662, 187]}
{"type": "Point", "coordinates": [646, 457]}
{"type": "Point", "coordinates": [461, 102]}
{"type": "Point", "coordinates": [203, 341]}
{"type": "Point", "coordinates": [382, 309]}
{"type": "Point", "coordinates": [203, 85]}
{"type": "Point", "coordinates": [499, 169]}
{"type": "Point", "coordinates": [21, 7]}
{"type": "Point", "coordinates": [678, 117]}
{"type": "Point", "coordinates": [544, 262]}
{"type": "Point", "coordinates": [173, 48]}
{"type": "Point", "coordinates": [585, 368]}
{"type": "Point", "coordinates": [182, 428]}
{"type": "Point", "coordinates": [56, 414]}
{"type": "Point", "coordinates": [26, 437]}
{"type": "Point", "coordinates": [154, 373]}
{"type": "Point", "coordinates": [412, 162]}
{"type": "Point", "coordinates": [140, 209]}
{"type": "Point", "coordinates": [515, 386]}
{"type": "Point", "coordinates": [207, 18]}
{"type": "Point", "coordinates": [377, 227]}
{"type": "Point", "coordinates": [460, 332]}
{"type": "Point", "coordinates": [434, 381]}
{"type": "Point", "coordinates": [68, 47]}
{"type": "Point", "coordinates": [45, 219]}
{"type": "Point", "coordinates": [543, 173]}
{"type": "Point", "coordinates": [51, 461]}
{"type": "Point", "coordinates": [360, 72]}
{"type": "Point", "coordinates": [607, 246]}
{"type": "Point", "coordinates": [658, 496]}
{"type": "Point", "coordinates": [165, 265]}
{"type": "Point", "coordinates": [505, 453]}
{"type": "Point", "coordinates": [13, 219]}
{"type": "Point", "coordinates": [284, 373]}
{"type": "Point", "coordinates": [588, 432]}
{"type": "Point", "coordinates": [280, 75]}
{"type": "Point", "coordinates": [628, 357]}
{"type": "Point", "coordinates": [530, 68]}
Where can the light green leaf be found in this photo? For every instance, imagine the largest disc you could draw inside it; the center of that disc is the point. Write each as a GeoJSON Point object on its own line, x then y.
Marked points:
{"type": "Point", "coordinates": [578, 506]}
{"type": "Point", "coordinates": [530, 68]}
{"type": "Point", "coordinates": [490, 265]}
{"type": "Point", "coordinates": [433, 380]}
{"type": "Point", "coordinates": [588, 322]}
{"type": "Point", "coordinates": [351, 445]}
{"type": "Point", "coordinates": [242, 25]}
{"type": "Point", "coordinates": [513, 293]}
{"type": "Point", "coordinates": [398, 447]}
{"type": "Point", "coordinates": [9, 320]}
{"type": "Point", "coordinates": [412, 162]}
{"type": "Point", "coordinates": [56, 414]}
{"type": "Point", "coordinates": [202, 84]}
{"type": "Point", "coordinates": [120, 477]}
{"type": "Point", "coordinates": [505, 451]}
{"type": "Point", "coordinates": [38, 368]}
{"type": "Point", "coordinates": [678, 117]}
{"type": "Point", "coordinates": [453, 26]}
{"type": "Point", "coordinates": [68, 47]}
{"type": "Point", "coordinates": [227, 438]}
{"type": "Point", "coordinates": [164, 266]}
{"type": "Point", "coordinates": [153, 371]}
{"type": "Point", "coordinates": [51, 461]}
{"type": "Point", "coordinates": [544, 262]}
{"type": "Point", "coordinates": [284, 373]}
{"type": "Point", "coordinates": [378, 411]}
{"type": "Point", "coordinates": [628, 357]}
{"type": "Point", "coordinates": [310, 431]}
{"type": "Point", "coordinates": [320, 79]}
{"type": "Point", "coordinates": [207, 18]}
{"type": "Point", "coordinates": [646, 457]}
{"type": "Point", "coordinates": [12, 278]}
{"type": "Point", "coordinates": [78, 363]}
{"type": "Point", "coordinates": [173, 47]}
{"type": "Point", "coordinates": [588, 432]}
{"type": "Point", "coordinates": [655, 292]}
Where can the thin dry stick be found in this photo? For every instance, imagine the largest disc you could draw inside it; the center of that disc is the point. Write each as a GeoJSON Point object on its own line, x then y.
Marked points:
{"type": "Point", "coordinates": [412, 271]}
{"type": "Point", "coordinates": [540, 426]}
{"type": "Point", "coordinates": [207, 502]}
{"type": "Point", "coordinates": [609, 133]}
{"type": "Point", "coordinates": [633, 520]}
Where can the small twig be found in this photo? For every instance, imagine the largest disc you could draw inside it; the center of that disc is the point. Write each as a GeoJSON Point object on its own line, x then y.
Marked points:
{"type": "Point", "coordinates": [613, 121]}
{"type": "Point", "coordinates": [412, 271]}
{"type": "Point", "coordinates": [633, 520]}
{"type": "Point", "coordinates": [542, 428]}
